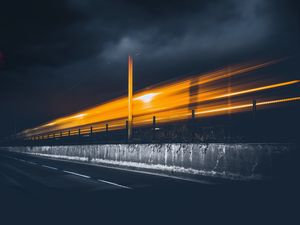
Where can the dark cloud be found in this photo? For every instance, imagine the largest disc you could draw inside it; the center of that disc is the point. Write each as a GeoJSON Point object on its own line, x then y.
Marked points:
{"type": "Point", "coordinates": [64, 55]}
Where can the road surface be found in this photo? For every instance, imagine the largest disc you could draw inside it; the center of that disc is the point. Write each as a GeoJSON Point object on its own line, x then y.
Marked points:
{"type": "Point", "coordinates": [36, 175]}
{"type": "Point", "coordinates": [35, 187]}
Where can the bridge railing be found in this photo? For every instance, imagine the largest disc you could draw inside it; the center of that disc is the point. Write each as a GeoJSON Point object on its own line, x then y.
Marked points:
{"type": "Point", "coordinates": [251, 126]}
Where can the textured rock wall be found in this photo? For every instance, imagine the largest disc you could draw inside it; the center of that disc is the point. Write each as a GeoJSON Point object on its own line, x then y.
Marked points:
{"type": "Point", "coordinates": [226, 160]}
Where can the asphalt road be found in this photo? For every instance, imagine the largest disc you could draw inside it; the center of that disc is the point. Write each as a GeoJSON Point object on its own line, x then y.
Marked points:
{"type": "Point", "coordinates": [35, 188]}
{"type": "Point", "coordinates": [36, 176]}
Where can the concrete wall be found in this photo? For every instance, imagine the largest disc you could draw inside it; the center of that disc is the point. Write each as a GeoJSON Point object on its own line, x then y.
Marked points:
{"type": "Point", "coordinates": [238, 161]}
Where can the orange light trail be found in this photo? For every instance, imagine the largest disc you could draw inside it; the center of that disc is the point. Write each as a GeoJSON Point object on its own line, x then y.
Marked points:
{"type": "Point", "coordinates": [208, 94]}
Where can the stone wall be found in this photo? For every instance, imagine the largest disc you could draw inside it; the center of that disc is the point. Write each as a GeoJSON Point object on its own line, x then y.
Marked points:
{"type": "Point", "coordinates": [237, 161]}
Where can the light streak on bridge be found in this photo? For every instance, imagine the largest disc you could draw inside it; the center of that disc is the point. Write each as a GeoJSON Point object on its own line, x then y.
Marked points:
{"type": "Point", "coordinates": [207, 94]}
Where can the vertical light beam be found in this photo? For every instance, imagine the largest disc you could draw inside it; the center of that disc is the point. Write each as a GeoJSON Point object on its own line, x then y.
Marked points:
{"type": "Point", "coordinates": [130, 81]}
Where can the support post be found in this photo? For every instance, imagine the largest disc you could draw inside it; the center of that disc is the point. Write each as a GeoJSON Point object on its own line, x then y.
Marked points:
{"type": "Point", "coordinates": [255, 132]}
{"type": "Point", "coordinates": [106, 132]}
{"type": "Point", "coordinates": [126, 129]}
{"type": "Point", "coordinates": [253, 109]}
{"type": "Point", "coordinates": [193, 114]}
{"type": "Point", "coordinates": [154, 122]}
{"type": "Point", "coordinates": [91, 130]}
{"type": "Point", "coordinates": [153, 127]}
{"type": "Point", "coordinates": [192, 125]}
{"type": "Point", "coordinates": [130, 88]}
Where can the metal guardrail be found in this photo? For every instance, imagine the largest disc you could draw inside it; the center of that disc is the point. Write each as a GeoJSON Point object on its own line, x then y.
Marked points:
{"type": "Point", "coordinates": [242, 127]}
{"type": "Point", "coordinates": [90, 130]}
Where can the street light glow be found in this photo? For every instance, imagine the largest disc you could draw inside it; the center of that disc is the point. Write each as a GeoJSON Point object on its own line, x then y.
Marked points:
{"type": "Point", "coordinates": [79, 116]}
{"type": "Point", "coordinates": [147, 97]}
{"type": "Point", "coordinates": [50, 124]}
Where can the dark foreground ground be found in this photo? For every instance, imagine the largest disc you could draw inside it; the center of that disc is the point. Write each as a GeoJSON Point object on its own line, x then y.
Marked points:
{"type": "Point", "coordinates": [43, 191]}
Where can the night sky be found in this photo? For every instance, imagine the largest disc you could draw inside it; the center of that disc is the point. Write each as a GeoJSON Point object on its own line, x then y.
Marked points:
{"type": "Point", "coordinates": [57, 57]}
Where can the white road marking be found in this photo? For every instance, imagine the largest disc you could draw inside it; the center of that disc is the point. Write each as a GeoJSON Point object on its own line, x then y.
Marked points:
{"type": "Point", "coordinates": [49, 167]}
{"type": "Point", "coordinates": [104, 181]}
{"type": "Point", "coordinates": [193, 180]}
{"type": "Point", "coordinates": [128, 170]}
{"type": "Point", "coordinates": [16, 159]}
{"type": "Point", "coordinates": [77, 174]}
{"type": "Point", "coordinates": [150, 173]}
{"type": "Point", "coordinates": [118, 185]}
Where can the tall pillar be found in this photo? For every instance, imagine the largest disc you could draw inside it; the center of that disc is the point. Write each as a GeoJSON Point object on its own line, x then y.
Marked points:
{"type": "Point", "coordinates": [130, 84]}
